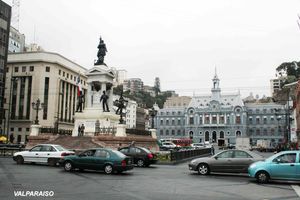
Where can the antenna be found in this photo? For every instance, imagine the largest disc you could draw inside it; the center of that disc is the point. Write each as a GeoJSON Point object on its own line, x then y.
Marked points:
{"type": "Point", "coordinates": [15, 13]}
{"type": "Point", "coordinates": [298, 21]}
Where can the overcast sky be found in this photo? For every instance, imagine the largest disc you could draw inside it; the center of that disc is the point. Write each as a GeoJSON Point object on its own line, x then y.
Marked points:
{"type": "Point", "coordinates": [181, 42]}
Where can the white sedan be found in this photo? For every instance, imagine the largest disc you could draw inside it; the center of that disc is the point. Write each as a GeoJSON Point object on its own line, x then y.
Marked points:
{"type": "Point", "coordinates": [42, 153]}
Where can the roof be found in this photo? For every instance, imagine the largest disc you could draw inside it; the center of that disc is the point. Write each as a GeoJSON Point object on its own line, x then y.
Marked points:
{"type": "Point", "coordinates": [226, 100]}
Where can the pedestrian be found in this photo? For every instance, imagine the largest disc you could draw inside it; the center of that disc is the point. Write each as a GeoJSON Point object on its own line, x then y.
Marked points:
{"type": "Point", "coordinates": [212, 150]}
{"type": "Point", "coordinates": [79, 130]}
{"type": "Point", "coordinates": [11, 138]}
{"type": "Point", "coordinates": [82, 129]}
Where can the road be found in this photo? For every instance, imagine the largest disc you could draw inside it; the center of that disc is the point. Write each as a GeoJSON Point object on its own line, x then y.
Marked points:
{"type": "Point", "coordinates": [159, 182]}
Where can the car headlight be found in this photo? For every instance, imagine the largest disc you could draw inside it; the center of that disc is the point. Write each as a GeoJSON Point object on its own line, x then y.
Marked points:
{"type": "Point", "coordinates": [193, 161]}
{"type": "Point", "coordinates": [252, 166]}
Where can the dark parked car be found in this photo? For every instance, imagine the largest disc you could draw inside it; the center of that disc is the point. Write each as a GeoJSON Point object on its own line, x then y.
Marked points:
{"type": "Point", "coordinates": [98, 159]}
{"type": "Point", "coordinates": [231, 161]}
{"type": "Point", "coordinates": [141, 156]}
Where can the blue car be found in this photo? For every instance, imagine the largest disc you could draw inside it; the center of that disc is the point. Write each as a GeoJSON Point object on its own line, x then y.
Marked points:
{"type": "Point", "coordinates": [284, 165]}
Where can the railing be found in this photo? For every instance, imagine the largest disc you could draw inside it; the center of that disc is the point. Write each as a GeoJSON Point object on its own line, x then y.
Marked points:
{"type": "Point", "coordinates": [180, 155]}
{"type": "Point", "coordinates": [105, 131]}
{"type": "Point", "coordinates": [9, 150]}
{"type": "Point", "coordinates": [137, 132]}
{"type": "Point", "coordinates": [51, 130]}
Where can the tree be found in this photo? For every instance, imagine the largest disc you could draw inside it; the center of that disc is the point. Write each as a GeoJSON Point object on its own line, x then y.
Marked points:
{"type": "Point", "coordinates": [289, 71]}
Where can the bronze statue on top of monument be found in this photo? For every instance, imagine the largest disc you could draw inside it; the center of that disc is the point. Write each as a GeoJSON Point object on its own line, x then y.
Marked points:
{"type": "Point", "coordinates": [101, 53]}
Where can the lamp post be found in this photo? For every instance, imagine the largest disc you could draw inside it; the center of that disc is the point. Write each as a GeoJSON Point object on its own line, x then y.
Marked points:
{"type": "Point", "coordinates": [37, 106]}
{"type": "Point", "coordinates": [152, 113]}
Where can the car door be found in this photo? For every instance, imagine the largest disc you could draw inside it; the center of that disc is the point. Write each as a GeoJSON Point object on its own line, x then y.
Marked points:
{"type": "Point", "coordinates": [85, 160]}
{"type": "Point", "coordinates": [222, 162]}
{"type": "Point", "coordinates": [33, 154]}
{"type": "Point", "coordinates": [241, 161]}
{"type": "Point", "coordinates": [101, 157]}
{"type": "Point", "coordinates": [45, 153]}
{"type": "Point", "coordinates": [284, 166]}
{"type": "Point", "coordinates": [132, 154]}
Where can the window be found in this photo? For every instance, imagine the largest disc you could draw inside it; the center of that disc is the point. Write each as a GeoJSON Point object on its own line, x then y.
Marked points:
{"type": "Point", "coordinates": [59, 72]}
{"type": "Point", "coordinates": [63, 74]}
{"type": "Point", "coordinates": [214, 119]}
{"type": "Point", "coordinates": [11, 129]}
{"type": "Point", "coordinates": [178, 122]}
{"type": "Point", "coordinates": [20, 129]}
{"type": "Point", "coordinates": [24, 69]}
{"type": "Point", "coordinates": [221, 119]}
{"type": "Point", "coordinates": [88, 153]}
{"type": "Point", "coordinates": [173, 122]}
{"type": "Point", "coordinates": [102, 154]}
{"type": "Point", "coordinates": [241, 154]}
{"type": "Point", "coordinates": [47, 69]}
{"type": "Point", "coordinates": [161, 132]}
{"type": "Point", "coordinates": [167, 122]}
{"type": "Point", "coordinates": [178, 132]}
{"type": "Point", "coordinates": [286, 158]}
{"type": "Point", "coordinates": [238, 119]}
{"type": "Point", "coordinates": [173, 132]}
{"type": "Point", "coordinates": [207, 119]}
{"type": "Point", "coordinates": [125, 150]}
{"type": "Point", "coordinates": [67, 75]}
{"type": "Point", "coordinates": [250, 120]}
{"type": "Point", "coordinates": [16, 69]}
{"type": "Point", "coordinates": [31, 68]}
{"type": "Point", "coordinates": [257, 120]}
{"type": "Point", "coordinates": [265, 120]}
{"type": "Point", "coordinates": [27, 129]}
{"type": "Point", "coordinates": [161, 122]}
{"type": "Point", "coordinates": [226, 154]}
{"type": "Point", "coordinates": [36, 148]}
{"type": "Point", "coordinates": [191, 120]}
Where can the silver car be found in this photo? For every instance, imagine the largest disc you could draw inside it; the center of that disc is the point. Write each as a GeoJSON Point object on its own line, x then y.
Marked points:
{"type": "Point", "coordinates": [230, 161]}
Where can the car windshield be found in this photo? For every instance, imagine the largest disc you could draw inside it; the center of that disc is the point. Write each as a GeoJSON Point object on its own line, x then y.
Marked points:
{"type": "Point", "coordinates": [60, 148]}
{"type": "Point", "coordinates": [118, 153]}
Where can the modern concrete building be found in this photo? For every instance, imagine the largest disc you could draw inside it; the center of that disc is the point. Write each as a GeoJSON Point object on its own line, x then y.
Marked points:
{"type": "Point", "coordinates": [149, 90]}
{"type": "Point", "coordinates": [276, 84]}
{"type": "Point", "coordinates": [16, 41]}
{"type": "Point", "coordinates": [133, 84]}
{"type": "Point", "coordinates": [5, 17]}
{"type": "Point", "coordinates": [121, 76]}
{"type": "Point", "coordinates": [47, 76]}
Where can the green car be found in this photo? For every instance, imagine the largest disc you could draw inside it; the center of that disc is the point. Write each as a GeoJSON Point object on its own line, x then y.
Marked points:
{"type": "Point", "coordinates": [104, 159]}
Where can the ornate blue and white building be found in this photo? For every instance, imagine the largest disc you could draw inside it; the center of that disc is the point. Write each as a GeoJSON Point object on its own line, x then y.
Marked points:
{"type": "Point", "coordinates": [221, 118]}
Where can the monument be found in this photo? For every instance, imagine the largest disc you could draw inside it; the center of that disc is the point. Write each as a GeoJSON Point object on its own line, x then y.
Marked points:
{"type": "Point", "coordinates": [98, 113]}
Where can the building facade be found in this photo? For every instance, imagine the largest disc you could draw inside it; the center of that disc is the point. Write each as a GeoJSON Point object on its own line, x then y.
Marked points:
{"type": "Point", "coordinates": [16, 41]}
{"type": "Point", "coordinates": [133, 84]}
{"type": "Point", "coordinates": [46, 76]}
{"type": "Point", "coordinates": [5, 16]}
{"type": "Point", "coordinates": [221, 118]}
{"type": "Point", "coordinates": [266, 121]}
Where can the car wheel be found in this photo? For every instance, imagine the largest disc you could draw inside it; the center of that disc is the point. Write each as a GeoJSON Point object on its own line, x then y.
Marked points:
{"type": "Point", "coordinates": [68, 166]}
{"type": "Point", "coordinates": [52, 162]}
{"type": "Point", "coordinates": [140, 163]}
{"type": "Point", "coordinates": [108, 169]}
{"type": "Point", "coordinates": [20, 160]}
{"type": "Point", "coordinates": [262, 177]}
{"type": "Point", "coordinates": [203, 169]}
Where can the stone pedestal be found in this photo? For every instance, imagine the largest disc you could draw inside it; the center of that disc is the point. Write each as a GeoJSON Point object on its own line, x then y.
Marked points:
{"type": "Point", "coordinates": [35, 130]}
{"type": "Point", "coordinates": [153, 133]}
{"type": "Point", "coordinates": [121, 130]}
{"type": "Point", "coordinates": [94, 120]}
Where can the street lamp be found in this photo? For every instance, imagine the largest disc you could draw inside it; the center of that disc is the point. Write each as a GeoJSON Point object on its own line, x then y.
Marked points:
{"type": "Point", "coordinates": [121, 103]}
{"type": "Point", "coordinates": [152, 113]}
{"type": "Point", "coordinates": [37, 106]}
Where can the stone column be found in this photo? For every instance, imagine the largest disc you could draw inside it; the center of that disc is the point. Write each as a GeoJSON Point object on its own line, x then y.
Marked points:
{"type": "Point", "coordinates": [89, 95]}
